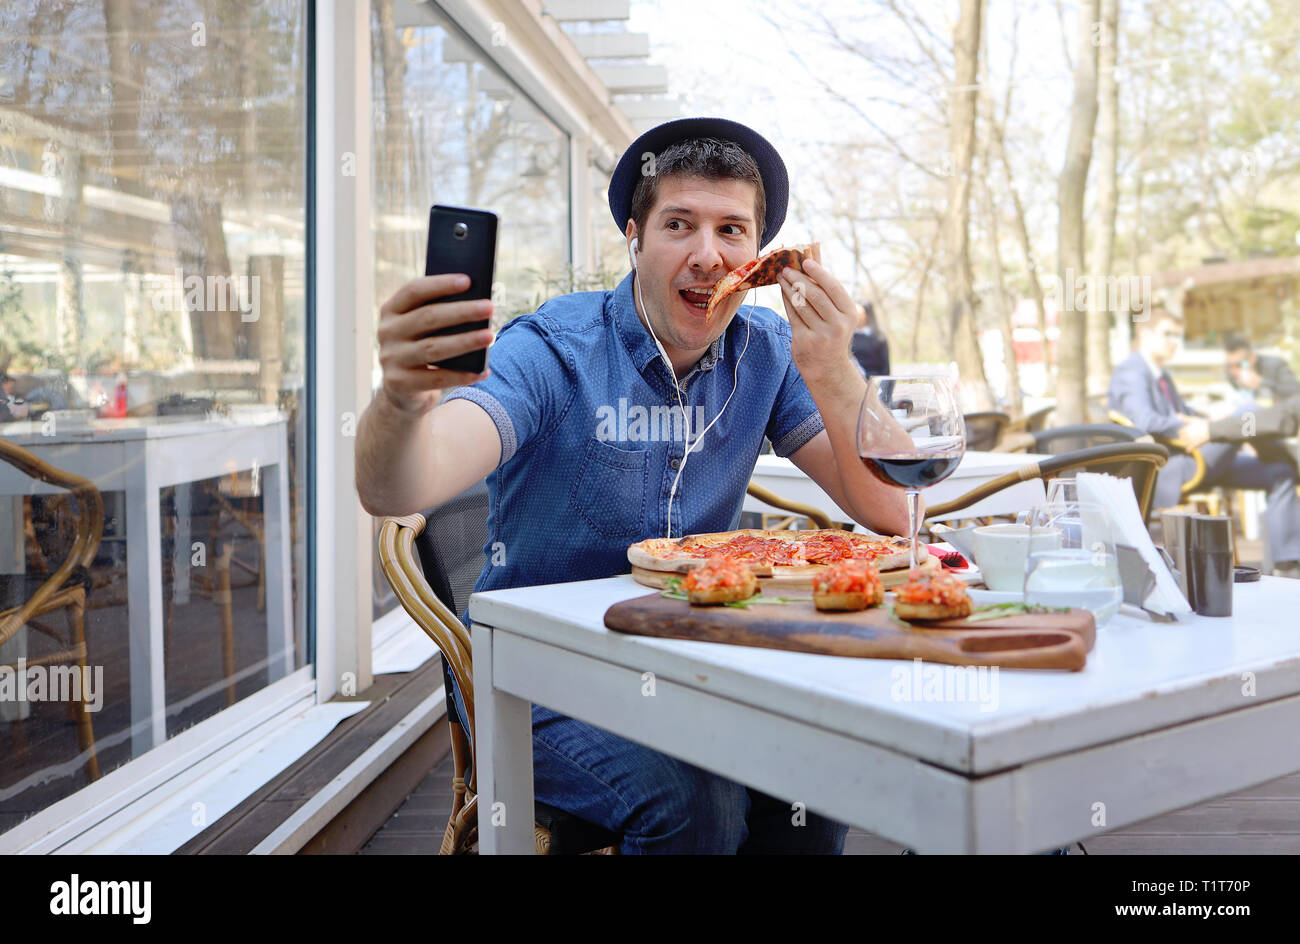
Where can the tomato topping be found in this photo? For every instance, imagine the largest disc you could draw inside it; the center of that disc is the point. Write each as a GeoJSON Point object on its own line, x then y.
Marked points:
{"type": "Point", "coordinates": [848, 576]}
{"type": "Point", "coordinates": [942, 588]}
{"type": "Point", "coordinates": [717, 572]}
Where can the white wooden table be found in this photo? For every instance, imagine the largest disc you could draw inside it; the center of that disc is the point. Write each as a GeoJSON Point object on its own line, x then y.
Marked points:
{"type": "Point", "coordinates": [787, 480]}
{"type": "Point", "coordinates": [1163, 716]}
{"type": "Point", "coordinates": [141, 456]}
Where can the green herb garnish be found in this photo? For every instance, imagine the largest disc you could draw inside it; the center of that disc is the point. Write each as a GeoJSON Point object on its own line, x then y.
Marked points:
{"type": "Point", "coordinates": [745, 604]}
{"type": "Point", "coordinates": [672, 589]}
{"type": "Point", "coordinates": [996, 610]}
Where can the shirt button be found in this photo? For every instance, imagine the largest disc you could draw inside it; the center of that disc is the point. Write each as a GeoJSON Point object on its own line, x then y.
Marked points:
{"type": "Point", "coordinates": [674, 462]}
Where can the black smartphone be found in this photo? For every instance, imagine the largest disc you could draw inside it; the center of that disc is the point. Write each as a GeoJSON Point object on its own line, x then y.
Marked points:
{"type": "Point", "coordinates": [462, 240]}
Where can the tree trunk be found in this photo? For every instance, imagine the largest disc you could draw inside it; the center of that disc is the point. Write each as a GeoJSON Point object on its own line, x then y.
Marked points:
{"type": "Point", "coordinates": [1031, 262]}
{"type": "Point", "coordinates": [961, 308]}
{"type": "Point", "coordinates": [1014, 406]}
{"type": "Point", "coordinates": [1099, 309]}
{"type": "Point", "coordinates": [920, 294]}
{"type": "Point", "coordinates": [1071, 393]}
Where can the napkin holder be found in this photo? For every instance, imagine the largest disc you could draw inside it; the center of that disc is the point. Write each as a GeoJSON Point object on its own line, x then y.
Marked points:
{"type": "Point", "coordinates": [1138, 580]}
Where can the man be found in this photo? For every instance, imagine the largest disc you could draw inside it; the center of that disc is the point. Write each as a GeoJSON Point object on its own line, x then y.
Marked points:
{"type": "Point", "coordinates": [1264, 378]}
{"type": "Point", "coordinates": [11, 406]}
{"type": "Point", "coordinates": [1270, 391]}
{"type": "Point", "coordinates": [695, 198]}
{"type": "Point", "coordinates": [870, 346]}
{"type": "Point", "coordinates": [1142, 390]}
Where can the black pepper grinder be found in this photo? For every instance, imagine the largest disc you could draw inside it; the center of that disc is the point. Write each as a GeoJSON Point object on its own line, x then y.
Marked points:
{"type": "Point", "coordinates": [1209, 565]}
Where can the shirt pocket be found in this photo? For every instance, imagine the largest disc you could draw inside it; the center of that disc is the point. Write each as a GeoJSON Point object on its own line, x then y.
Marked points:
{"type": "Point", "coordinates": [609, 491]}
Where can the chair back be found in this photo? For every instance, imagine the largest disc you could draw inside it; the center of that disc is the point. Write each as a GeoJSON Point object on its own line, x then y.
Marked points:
{"type": "Point", "coordinates": [431, 561]}
{"type": "Point", "coordinates": [1191, 484]}
{"type": "Point", "coordinates": [1138, 462]}
{"type": "Point", "coordinates": [451, 547]}
{"type": "Point", "coordinates": [1062, 439]}
{"type": "Point", "coordinates": [983, 430]}
{"type": "Point", "coordinates": [89, 529]}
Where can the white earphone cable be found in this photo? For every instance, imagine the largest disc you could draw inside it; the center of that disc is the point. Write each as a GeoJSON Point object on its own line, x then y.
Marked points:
{"type": "Point", "coordinates": [692, 442]}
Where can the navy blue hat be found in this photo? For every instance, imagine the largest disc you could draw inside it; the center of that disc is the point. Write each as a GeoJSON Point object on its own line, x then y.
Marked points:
{"type": "Point", "coordinates": [776, 183]}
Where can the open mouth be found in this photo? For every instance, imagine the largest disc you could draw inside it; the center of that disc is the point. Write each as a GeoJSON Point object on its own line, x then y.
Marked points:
{"type": "Point", "coordinates": [697, 297]}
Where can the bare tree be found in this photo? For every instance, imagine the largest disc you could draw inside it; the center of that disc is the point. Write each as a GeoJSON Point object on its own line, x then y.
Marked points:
{"type": "Point", "coordinates": [1099, 313]}
{"type": "Point", "coordinates": [1027, 248]}
{"type": "Point", "coordinates": [1071, 393]}
{"type": "Point", "coordinates": [957, 267]}
{"type": "Point", "coordinates": [1001, 304]}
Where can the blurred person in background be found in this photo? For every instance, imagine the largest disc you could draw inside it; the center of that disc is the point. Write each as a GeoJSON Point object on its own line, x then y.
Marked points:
{"type": "Point", "coordinates": [1239, 450]}
{"type": "Point", "coordinates": [1263, 378]}
{"type": "Point", "coordinates": [12, 406]}
{"type": "Point", "coordinates": [869, 345]}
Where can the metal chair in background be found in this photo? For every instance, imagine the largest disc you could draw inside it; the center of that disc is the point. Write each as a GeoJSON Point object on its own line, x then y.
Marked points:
{"type": "Point", "coordinates": [1062, 439]}
{"type": "Point", "coordinates": [985, 430]}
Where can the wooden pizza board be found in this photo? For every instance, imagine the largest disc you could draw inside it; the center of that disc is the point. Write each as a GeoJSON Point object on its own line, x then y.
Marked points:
{"type": "Point", "coordinates": [776, 586]}
{"type": "Point", "coordinates": [1028, 641]}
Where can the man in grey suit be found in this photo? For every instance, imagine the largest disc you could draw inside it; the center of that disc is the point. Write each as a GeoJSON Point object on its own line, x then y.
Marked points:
{"type": "Point", "coordinates": [1142, 390]}
{"type": "Point", "coordinates": [1266, 378]}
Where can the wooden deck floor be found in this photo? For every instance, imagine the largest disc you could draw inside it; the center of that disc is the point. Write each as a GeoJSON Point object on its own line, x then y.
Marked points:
{"type": "Point", "coordinates": [1263, 820]}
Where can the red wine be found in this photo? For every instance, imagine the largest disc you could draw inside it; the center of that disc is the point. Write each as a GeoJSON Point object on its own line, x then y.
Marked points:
{"type": "Point", "coordinates": [912, 469]}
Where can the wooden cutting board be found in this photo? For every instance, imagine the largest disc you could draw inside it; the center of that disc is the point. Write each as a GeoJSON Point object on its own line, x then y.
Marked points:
{"type": "Point", "coordinates": [1028, 641]}
{"type": "Point", "coordinates": [775, 586]}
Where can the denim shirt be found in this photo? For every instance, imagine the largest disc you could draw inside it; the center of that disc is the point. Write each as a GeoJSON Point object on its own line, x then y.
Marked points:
{"type": "Point", "coordinates": [592, 436]}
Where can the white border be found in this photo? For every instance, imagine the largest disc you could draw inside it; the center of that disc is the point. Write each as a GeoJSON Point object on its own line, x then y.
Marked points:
{"type": "Point", "coordinates": [344, 266]}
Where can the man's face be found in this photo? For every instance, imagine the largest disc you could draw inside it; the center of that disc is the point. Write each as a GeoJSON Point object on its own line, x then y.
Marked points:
{"type": "Point", "coordinates": [1161, 340]}
{"type": "Point", "coordinates": [697, 232]}
{"type": "Point", "coordinates": [1239, 361]}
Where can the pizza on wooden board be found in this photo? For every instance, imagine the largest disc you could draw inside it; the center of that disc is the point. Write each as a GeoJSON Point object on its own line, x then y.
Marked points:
{"type": "Point", "coordinates": [773, 553]}
{"type": "Point", "coordinates": [765, 270]}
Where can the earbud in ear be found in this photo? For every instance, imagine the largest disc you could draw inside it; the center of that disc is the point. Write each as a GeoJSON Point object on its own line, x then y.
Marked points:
{"type": "Point", "coordinates": [632, 248]}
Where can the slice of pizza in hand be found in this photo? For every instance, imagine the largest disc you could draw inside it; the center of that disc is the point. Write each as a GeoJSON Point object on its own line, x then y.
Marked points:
{"type": "Point", "coordinates": [765, 270]}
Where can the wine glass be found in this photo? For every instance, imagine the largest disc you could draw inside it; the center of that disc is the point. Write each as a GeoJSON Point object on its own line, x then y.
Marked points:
{"type": "Point", "coordinates": [910, 435]}
{"type": "Point", "coordinates": [1062, 490]}
{"type": "Point", "coordinates": [1072, 559]}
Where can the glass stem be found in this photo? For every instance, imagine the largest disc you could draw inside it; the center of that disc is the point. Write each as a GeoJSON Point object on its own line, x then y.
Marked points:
{"type": "Point", "coordinates": [913, 517]}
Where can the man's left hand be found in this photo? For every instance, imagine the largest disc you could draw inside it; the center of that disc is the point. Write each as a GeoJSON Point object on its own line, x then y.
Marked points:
{"type": "Point", "coordinates": [822, 318]}
{"type": "Point", "coordinates": [1194, 434]}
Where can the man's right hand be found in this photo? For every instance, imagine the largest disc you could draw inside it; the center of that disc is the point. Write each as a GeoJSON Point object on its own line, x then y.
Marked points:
{"type": "Point", "coordinates": [405, 349]}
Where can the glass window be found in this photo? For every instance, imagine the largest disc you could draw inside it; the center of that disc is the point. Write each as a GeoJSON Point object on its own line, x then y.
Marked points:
{"type": "Point", "coordinates": [152, 233]}
{"type": "Point", "coordinates": [450, 128]}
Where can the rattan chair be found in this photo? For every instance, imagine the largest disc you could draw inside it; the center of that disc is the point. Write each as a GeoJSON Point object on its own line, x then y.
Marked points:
{"type": "Point", "coordinates": [984, 430]}
{"type": "Point", "coordinates": [26, 597]}
{"type": "Point", "coordinates": [769, 497]}
{"type": "Point", "coordinates": [431, 561]}
{"type": "Point", "coordinates": [1138, 462]}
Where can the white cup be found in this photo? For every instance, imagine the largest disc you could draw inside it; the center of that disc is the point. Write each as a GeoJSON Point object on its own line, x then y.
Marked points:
{"type": "Point", "coordinates": [1002, 549]}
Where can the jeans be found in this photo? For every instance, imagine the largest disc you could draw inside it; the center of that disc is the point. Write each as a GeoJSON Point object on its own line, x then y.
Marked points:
{"type": "Point", "coordinates": [1271, 470]}
{"type": "Point", "coordinates": [663, 805]}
